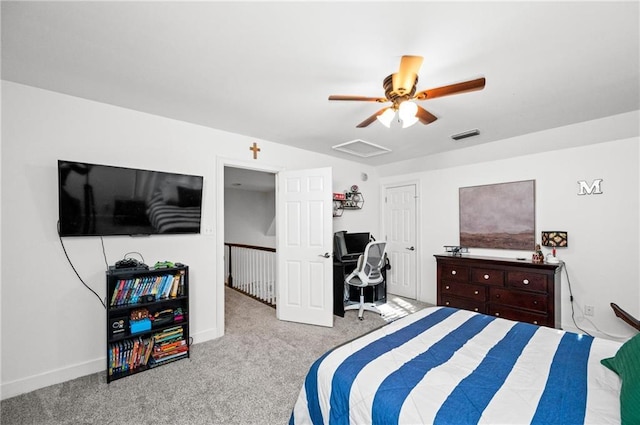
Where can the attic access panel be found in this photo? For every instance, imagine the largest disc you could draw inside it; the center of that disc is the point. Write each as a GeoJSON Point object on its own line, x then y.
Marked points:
{"type": "Point", "coordinates": [361, 148]}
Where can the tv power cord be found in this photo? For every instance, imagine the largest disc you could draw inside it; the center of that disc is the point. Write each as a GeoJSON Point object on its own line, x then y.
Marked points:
{"type": "Point", "coordinates": [104, 304]}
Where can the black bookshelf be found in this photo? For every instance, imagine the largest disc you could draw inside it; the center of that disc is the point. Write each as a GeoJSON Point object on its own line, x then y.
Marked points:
{"type": "Point", "coordinates": [147, 319]}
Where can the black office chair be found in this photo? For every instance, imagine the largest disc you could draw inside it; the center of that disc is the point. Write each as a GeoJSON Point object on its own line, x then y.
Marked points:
{"type": "Point", "coordinates": [368, 272]}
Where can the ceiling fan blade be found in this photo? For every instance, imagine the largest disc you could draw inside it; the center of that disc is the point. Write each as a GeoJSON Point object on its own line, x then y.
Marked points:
{"type": "Point", "coordinates": [359, 98]}
{"type": "Point", "coordinates": [372, 118]}
{"type": "Point", "coordinates": [457, 88]}
{"type": "Point", "coordinates": [405, 78]}
{"type": "Point", "coordinates": [425, 116]}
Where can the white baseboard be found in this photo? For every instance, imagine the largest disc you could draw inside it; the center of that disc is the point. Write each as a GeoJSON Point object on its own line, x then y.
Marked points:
{"type": "Point", "coordinates": [57, 376]}
{"type": "Point", "coordinates": [35, 382]}
{"type": "Point", "coordinates": [206, 335]}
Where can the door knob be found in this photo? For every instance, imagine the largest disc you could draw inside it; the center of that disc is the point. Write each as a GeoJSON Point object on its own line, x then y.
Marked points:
{"type": "Point", "coordinates": [325, 255]}
{"type": "Point", "coordinates": [411, 249]}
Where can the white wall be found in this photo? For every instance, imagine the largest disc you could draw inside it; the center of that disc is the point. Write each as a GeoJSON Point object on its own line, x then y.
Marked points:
{"type": "Point", "coordinates": [53, 329]}
{"type": "Point", "coordinates": [603, 252]}
{"type": "Point", "coordinates": [248, 217]}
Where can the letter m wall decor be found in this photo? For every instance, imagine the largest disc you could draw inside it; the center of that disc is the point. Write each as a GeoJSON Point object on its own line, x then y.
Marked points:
{"type": "Point", "coordinates": [594, 189]}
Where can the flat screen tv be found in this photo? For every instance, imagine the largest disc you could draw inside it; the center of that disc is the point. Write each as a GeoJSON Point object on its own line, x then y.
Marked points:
{"type": "Point", "coordinates": [104, 200]}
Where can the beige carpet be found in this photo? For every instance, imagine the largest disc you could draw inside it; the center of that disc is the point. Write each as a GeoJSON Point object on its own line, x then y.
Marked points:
{"type": "Point", "coordinates": [252, 375]}
{"type": "Point", "coordinates": [397, 307]}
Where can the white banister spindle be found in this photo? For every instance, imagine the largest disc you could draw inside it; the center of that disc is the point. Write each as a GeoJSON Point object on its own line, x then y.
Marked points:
{"type": "Point", "coordinates": [253, 271]}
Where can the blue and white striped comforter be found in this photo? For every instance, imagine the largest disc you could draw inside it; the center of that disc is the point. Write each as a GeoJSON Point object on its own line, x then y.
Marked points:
{"type": "Point", "coordinates": [448, 366]}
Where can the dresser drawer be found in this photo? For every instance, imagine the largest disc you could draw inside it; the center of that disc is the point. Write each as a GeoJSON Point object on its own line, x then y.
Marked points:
{"type": "Point", "coordinates": [518, 299]}
{"type": "Point", "coordinates": [464, 304]}
{"type": "Point", "coordinates": [519, 315]}
{"type": "Point", "coordinates": [452, 272]}
{"type": "Point", "coordinates": [487, 276]}
{"type": "Point", "coordinates": [528, 281]}
{"type": "Point", "coordinates": [464, 290]}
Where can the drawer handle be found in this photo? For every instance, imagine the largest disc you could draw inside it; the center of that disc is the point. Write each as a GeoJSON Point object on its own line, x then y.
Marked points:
{"type": "Point", "coordinates": [526, 281]}
{"type": "Point", "coordinates": [475, 292]}
{"type": "Point", "coordinates": [535, 302]}
{"type": "Point", "coordinates": [453, 272]}
{"type": "Point", "coordinates": [446, 287]}
{"type": "Point", "coordinates": [486, 276]}
{"type": "Point", "coordinates": [475, 309]}
{"type": "Point", "coordinates": [446, 303]}
{"type": "Point", "coordinates": [497, 295]}
{"type": "Point", "coordinates": [535, 322]}
{"type": "Point", "coordinates": [497, 314]}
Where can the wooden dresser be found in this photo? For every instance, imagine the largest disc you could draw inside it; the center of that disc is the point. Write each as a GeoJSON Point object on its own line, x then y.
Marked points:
{"type": "Point", "coordinates": [502, 287]}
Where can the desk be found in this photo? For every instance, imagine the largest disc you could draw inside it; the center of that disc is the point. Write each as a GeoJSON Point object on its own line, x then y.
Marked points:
{"type": "Point", "coordinates": [372, 294]}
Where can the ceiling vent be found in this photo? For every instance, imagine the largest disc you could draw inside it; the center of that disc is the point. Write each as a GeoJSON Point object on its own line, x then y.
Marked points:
{"type": "Point", "coordinates": [465, 134]}
{"type": "Point", "coordinates": [361, 148]}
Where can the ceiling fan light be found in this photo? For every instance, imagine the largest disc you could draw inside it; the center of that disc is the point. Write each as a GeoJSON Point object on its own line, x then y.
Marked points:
{"type": "Point", "coordinates": [409, 122]}
{"type": "Point", "coordinates": [386, 117]}
{"type": "Point", "coordinates": [407, 113]}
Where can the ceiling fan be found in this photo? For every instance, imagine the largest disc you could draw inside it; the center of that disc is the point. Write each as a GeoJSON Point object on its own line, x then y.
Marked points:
{"type": "Point", "coordinates": [400, 90]}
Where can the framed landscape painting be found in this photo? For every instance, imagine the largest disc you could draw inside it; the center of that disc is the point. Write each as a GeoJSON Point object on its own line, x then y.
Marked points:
{"type": "Point", "coordinates": [498, 216]}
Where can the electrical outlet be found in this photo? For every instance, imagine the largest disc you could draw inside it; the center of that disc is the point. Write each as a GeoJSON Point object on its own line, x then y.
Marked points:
{"type": "Point", "coordinates": [588, 310]}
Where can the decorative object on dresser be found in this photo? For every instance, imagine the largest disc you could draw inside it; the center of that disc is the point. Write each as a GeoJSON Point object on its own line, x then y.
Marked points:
{"type": "Point", "coordinates": [498, 216]}
{"type": "Point", "coordinates": [538, 256]}
{"type": "Point", "coordinates": [554, 239]}
{"type": "Point", "coordinates": [455, 249]}
{"type": "Point", "coordinates": [502, 287]}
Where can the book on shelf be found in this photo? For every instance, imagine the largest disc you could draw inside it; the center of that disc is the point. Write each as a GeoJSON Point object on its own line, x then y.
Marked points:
{"type": "Point", "coordinates": [130, 291]}
{"type": "Point", "coordinates": [129, 355]}
{"type": "Point", "coordinates": [168, 358]}
{"type": "Point", "coordinates": [169, 334]}
{"type": "Point", "coordinates": [181, 285]}
{"type": "Point", "coordinates": [175, 285]}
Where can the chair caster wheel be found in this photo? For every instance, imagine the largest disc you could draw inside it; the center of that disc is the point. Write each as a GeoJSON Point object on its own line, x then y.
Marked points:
{"type": "Point", "coordinates": [361, 318]}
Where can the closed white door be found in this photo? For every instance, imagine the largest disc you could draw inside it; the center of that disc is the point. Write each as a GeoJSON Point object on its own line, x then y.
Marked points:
{"type": "Point", "coordinates": [400, 230]}
{"type": "Point", "coordinates": [304, 244]}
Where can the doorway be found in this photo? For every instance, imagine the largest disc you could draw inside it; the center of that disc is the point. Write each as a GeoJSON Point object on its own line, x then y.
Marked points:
{"type": "Point", "coordinates": [249, 232]}
{"type": "Point", "coordinates": [400, 223]}
{"type": "Point", "coordinates": [241, 170]}
{"type": "Point", "coordinates": [306, 191]}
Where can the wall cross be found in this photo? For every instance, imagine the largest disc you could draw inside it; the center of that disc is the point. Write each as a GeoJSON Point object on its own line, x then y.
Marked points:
{"type": "Point", "coordinates": [255, 150]}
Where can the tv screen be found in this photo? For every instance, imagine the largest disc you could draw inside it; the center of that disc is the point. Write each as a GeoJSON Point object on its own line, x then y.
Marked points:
{"type": "Point", "coordinates": [104, 200]}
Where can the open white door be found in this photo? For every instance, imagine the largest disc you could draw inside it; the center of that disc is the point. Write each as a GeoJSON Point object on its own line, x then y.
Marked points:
{"type": "Point", "coordinates": [400, 230]}
{"type": "Point", "coordinates": [304, 230]}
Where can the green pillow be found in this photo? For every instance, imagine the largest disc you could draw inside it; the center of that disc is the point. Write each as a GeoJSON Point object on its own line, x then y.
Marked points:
{"type": "Point", "coordinates": [626, 363]}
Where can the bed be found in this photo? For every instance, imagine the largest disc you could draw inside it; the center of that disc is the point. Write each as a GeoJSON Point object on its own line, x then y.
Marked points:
{"type": "Point", "coordinates": [448, 366]}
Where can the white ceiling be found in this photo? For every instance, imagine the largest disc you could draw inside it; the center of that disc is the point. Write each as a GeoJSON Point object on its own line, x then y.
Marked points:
{"type": "Point", "coordinates": [245, 179]}
{"type": "Point", "coordinates": [265, 69]}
